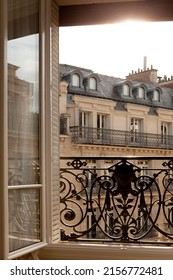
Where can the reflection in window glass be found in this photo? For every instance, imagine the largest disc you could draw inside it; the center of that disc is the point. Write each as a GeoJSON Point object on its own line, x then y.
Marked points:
{"type": "Point", "coordinates": [23, 123]}
{"type": "Point", "coordinates": [23, 102]}
{"type": "Point", "coordinates": [24, 213]}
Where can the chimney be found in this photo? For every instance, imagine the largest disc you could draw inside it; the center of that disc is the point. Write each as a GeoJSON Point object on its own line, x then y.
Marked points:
{"type": "Point", "coordinates": [145, 63]}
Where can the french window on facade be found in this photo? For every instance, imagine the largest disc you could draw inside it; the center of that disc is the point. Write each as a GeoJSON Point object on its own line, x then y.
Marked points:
{"type": "Point", "coordinates": [165, 132]}
{"type": "Point", "coordinates": [136, 129]}
{"type": "Point", "coordinates": [102, 124]}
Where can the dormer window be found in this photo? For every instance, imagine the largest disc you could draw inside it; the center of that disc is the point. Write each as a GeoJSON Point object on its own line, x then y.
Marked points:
{"type": "Point", "coordinates": [92, 84]}
{"type": "Point", "coordinates": [75, 80]}
{"type": "Point", "coordinates": [126, 90]}
{"type": "Point", "coordinates": [141, 93]}
{"type": "Point", "coordinates": [156, 95]}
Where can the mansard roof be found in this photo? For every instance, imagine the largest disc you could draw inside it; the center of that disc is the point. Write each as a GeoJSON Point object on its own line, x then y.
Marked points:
{"type": "Point", "coordinates": [111, 88]}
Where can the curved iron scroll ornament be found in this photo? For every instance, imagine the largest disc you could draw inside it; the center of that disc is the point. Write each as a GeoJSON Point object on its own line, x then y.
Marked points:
{"type": "Point", "coordinates": [121, 206]}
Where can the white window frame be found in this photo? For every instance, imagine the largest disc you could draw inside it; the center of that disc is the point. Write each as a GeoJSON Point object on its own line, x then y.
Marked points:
{"type": "Point", "coordinates": [137, 125]}
{"type": "Point", "coordinates": [4, 241]}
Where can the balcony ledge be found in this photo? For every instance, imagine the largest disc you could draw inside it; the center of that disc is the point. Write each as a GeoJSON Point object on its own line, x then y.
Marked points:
{"type": "Point", "coordinates": [81, 251]}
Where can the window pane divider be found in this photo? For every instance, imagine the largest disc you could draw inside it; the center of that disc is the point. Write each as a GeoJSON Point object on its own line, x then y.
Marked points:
{"type": "Point", "coordinates": [25, 187]}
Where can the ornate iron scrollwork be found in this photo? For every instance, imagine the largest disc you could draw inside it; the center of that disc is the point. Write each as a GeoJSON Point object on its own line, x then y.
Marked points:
{"type": "Point", "coordinates": [123, 205]}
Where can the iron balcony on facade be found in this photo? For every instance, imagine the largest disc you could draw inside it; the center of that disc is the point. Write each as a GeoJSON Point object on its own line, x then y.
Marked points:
{"type": "Point", "coordinates": [117, 200]}
{"type": "Point", "coordinates": [110, 137]}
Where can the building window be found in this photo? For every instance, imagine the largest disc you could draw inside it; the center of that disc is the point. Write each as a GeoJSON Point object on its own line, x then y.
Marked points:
{"type": "Point", "coordinates": [170, 217]}
{"type": "Point", "coordinates": [84, 119]}
{"type": "Point", "coordinates": [141, 93]}
{"type": "Point", "coordinates": [109, 222]}
{"type": "Point", "coordinates": [75, 80]}
{"type": "Point", "coordinates": [102, 121]}
{"type": "Point", "coordinates": [91, 174]}
{"type": "Point", "coordinates": [63, 126]}
{"type": "Point", "coordinates": [126, 90]}
{"type": "Point", "coordinates": [144, 166]}
{"type": "Point", "coordinates": [143, 219]}
{"type": "Point", "coordinates": [165, 131]}
{"type": "Point", "coordinates": [92, 84]}
{"type": "Point", "coordinates": [84, 124]}
{"type": "Point", "coordinates": [136, 125]}
{"type": "Point", "coordinates": [102, 124]}
{"type": "Point", "coordinates": [91, 224]}
{"type": "Point", "coordinates": [136, 129]}
{"type": "Point", "coordinates": [156, 95]}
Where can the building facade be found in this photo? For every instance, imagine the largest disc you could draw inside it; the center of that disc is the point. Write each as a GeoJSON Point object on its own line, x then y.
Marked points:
{"type": "Point", "coordinates": [104, 119]}
{"type": "Point", "coordinates": [104, 116]}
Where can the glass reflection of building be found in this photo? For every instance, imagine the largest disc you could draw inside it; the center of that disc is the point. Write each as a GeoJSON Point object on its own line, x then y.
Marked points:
{"type": "Point", "coordinates": [23, 131]}
{"type": "Point", "coordinates": [23, 124]}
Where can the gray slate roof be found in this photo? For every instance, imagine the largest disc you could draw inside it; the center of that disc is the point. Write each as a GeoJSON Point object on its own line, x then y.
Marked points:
{"type": "Point", "coordinates": [110, 88]}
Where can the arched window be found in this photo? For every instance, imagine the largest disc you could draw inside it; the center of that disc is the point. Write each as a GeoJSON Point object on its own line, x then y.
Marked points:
{"type": "Point", "coordinates": [156, 95]}
{"type": "Point", "coordinates": [75, 80]}
{"type": "Point", "coordinates": [92, 84]}
{"type": "Point", "coordinates": [141, 93]}
{"type": "Point", "coordinates": [126, 90]}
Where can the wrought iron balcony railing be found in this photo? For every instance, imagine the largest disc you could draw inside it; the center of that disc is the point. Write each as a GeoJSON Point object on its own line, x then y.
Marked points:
{"type": "Point", "coordinates": [115, 199]}
{"type": "Point", "coordinates": [89, 135]}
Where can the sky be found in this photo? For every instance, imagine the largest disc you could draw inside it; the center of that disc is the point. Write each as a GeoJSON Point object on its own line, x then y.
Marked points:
{"type": "Point", "coordinates": [117, 49]}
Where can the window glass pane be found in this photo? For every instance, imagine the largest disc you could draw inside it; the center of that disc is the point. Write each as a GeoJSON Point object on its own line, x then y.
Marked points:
{"type": "Point", "coordinates": [23, 93]}
{"type": "Point", "coordinates": [23, 123]}
{"type": "Point", "coordinates": [126, 90]}
{"type": "Point", "coordinates": [75, 80]}
{"type": "Point", "coordinates": [156, 95]}
{"type": "Point", "coordinates": [24, 217]}
{"type": "Point", "coordinates": [92, 84]}
{"type": "Point", "coordinates": [141, 93]}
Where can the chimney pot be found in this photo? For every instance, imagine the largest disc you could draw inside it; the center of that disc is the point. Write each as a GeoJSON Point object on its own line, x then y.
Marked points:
{"type": "Point", "coordinates": [145, 63]}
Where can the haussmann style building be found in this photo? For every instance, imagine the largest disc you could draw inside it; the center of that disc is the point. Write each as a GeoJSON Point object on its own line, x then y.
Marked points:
{"type": "Point", "coordinates": [104, 120]}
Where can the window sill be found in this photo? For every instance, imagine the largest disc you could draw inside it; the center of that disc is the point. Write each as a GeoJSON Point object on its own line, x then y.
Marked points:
{"type": "Point", "coordinates": [75, 251]}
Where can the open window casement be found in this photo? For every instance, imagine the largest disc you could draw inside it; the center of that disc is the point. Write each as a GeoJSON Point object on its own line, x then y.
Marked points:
{"type": "Point", "coordinates": [26, 205]}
